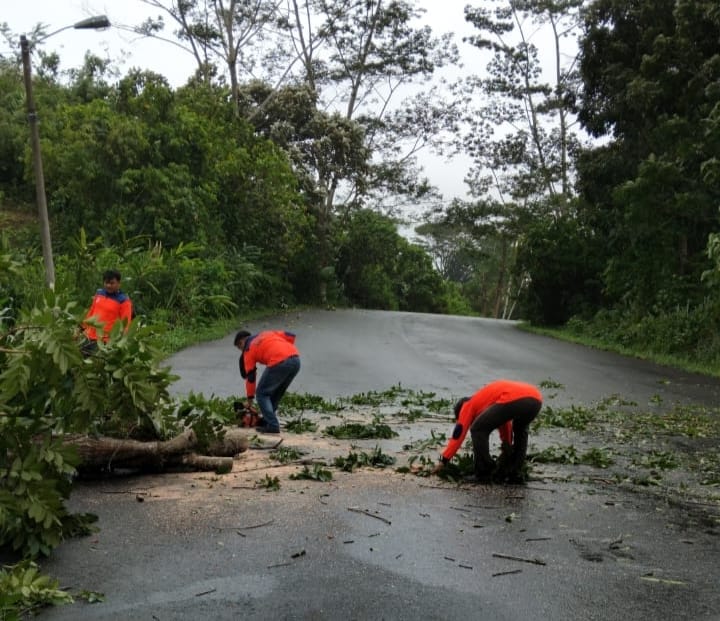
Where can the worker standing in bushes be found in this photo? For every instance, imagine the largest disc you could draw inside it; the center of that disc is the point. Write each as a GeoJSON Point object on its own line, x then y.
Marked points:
{"type": "Point", "coordinates": [109, 305]}
{"type": "Point", "coordinates": [507, 406]}
{"type": "Point", "coordinates": [276, 350]}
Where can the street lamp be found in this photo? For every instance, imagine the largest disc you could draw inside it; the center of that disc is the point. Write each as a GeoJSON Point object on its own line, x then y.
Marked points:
{"type": "Point", "coordinates": [100, 21]}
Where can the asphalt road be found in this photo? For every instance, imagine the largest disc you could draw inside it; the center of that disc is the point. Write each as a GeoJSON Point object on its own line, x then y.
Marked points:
{"type": "Point", "coordinates": [351, 351]}
{"type": "Point", "coordinates": [372, 545]}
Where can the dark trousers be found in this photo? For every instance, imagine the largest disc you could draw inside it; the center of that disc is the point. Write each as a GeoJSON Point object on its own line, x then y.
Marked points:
{"type": "Point", "coordinates": [521, 412]}
{"type": "Point", "coordinates": [88, 347]}
{"type": "Point", "coordinates": [272, 386]}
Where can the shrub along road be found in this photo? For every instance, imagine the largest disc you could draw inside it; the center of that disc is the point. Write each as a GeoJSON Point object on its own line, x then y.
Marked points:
{"type": "Point", "coordinates": [619, 520]}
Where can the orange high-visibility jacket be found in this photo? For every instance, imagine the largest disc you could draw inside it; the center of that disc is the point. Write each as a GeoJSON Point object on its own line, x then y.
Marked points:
{"type": "Point", "coordinates": [108, 308]}
{"type": "Point", "coordinates": [269, 348]}
{"type": "Point", "coordinates": [500, 391]}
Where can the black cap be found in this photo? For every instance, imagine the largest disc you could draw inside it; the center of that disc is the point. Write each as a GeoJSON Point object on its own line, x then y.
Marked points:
{"type": "Point", "coordinates": [458, 406]}
{"type": "Point", "coordinates": [243, 334]}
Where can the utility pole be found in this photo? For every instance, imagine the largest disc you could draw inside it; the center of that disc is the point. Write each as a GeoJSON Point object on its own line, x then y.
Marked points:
{"type": "Point", "coordinates": [38, 168]}
{"type": "Point", "coordinates": [94, 23]}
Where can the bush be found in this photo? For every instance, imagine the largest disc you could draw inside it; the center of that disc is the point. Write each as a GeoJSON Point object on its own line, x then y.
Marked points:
{"type": "Point", "coordinates": [685, 333]}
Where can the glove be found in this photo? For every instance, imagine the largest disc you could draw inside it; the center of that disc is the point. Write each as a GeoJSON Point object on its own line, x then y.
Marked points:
{"type": "Point", "coordinates": [439, 466]}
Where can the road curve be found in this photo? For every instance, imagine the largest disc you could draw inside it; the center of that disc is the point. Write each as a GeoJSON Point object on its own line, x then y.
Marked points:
{"type": "Point", "coordinates": [346, 352]}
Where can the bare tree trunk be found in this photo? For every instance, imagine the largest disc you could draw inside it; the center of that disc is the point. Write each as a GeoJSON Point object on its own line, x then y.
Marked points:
{"type": "Point", "coordinates": [105, 453]}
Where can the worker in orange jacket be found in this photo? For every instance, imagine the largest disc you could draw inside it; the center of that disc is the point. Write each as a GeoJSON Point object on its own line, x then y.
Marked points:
{"type": "Point", "coordinates": [109, 305]}
{"type": "Point", "coordinates": [505, 405]}
{"type": "Point", "coordinates": [276, 350]}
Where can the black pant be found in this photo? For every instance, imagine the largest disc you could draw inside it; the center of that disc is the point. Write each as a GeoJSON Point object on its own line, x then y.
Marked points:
{"type": "Point", "coordinates": [521, 412]}
{"type": "Point", "coordinates": [88, 347]}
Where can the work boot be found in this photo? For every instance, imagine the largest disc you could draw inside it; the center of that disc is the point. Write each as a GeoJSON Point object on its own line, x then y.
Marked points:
{"type": "Point", "coordinates": [266, 429]}
{"type": "Point", "coordinates": [483, 476]}
{"type": "Point", "coordinates": [516, 478]}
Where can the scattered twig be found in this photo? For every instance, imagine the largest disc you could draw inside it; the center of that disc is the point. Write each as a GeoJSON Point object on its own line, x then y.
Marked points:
{"type": "Point", "coordinates": [365, 512]}
{"type": "Point", "coordinates": [505, 573]}
{"type": "Point", "coordinates": [295, 462]}
{"type": "Point", "coordinates": [538, 539]}
{"type": "Point", "coordinates": [256, 525]}
{"type": "Point", "coordinates": [205, 592]}
{"type": "Point", "coordinates": [534, 561]}
{"type": "Point", "coordinates": [449, 558]}
{"type": "Point", "coordinates": [464, 566]}
{"type": "Point", "coordinates": [662, 580]}
{"type": "Point", "coordinates": [287, 563]}
{"type": "Point", "coordinates": [262, 447]}
{"type": "Point", "coordinates": [245, 527]}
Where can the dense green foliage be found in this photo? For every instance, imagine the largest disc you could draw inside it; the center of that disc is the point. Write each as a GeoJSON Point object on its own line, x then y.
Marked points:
{"type": "Point", "coordinates": [617, 234]}
{"type": "Point", "coordinates": [201, 214]}
{"type": "Point", "coordinates": [650, 72]}
{"type": "Point", "coordinates": [47, 389]}
{"type": "Point", "coordinates": [650, 192]}
{"type": "Point", "coordinates": [381, 270]}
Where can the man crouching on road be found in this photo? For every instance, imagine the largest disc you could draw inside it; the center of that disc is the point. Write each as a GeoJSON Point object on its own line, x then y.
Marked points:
{"type": "Point", "coordinates": [276, 350]}
{"type": "Point", "coordinates": [504, 405]}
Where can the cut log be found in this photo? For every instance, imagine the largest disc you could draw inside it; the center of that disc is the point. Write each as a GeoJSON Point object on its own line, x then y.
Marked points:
{"type": "Point", "coordinates": [234, 441]}
{"type": "Point", "coordinates": [221, 465]}
{"type": "Point", "coordinates": [106, 453]}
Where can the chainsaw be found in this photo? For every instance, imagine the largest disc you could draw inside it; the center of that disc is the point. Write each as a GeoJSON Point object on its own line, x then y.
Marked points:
{"type": "Point", "coordinates": [247, 415]}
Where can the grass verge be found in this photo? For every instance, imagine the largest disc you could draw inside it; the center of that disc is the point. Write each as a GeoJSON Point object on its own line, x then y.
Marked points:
{"type": "Point", "coordinates": [677, 362]}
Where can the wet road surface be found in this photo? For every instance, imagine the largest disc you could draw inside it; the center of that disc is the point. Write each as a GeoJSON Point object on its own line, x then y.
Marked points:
{"type": "Point", "coordinates": [378, 544]}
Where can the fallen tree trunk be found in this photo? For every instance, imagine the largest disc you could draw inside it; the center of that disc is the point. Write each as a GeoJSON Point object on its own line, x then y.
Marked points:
{"type": "Point", "coordinates": [221, 465]}
{"type": "Point", "coordinates": [106, 453]}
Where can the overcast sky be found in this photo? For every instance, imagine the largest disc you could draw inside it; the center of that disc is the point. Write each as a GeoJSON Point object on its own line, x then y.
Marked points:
{"type": "Point", "coordinates": [176, 65]}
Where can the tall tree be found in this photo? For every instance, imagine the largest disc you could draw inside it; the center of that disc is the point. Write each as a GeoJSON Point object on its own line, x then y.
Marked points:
{"type": "Point", "coordinates": [520, 136]}
{"type": "Point", "coordinates": [358, 56]}
{"type": "Point", "coordinates": [650, 72]}
{"type": "Point", "coordinates": [225, 31]}
{"type": "Point", "coordinates": [518, 120]}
